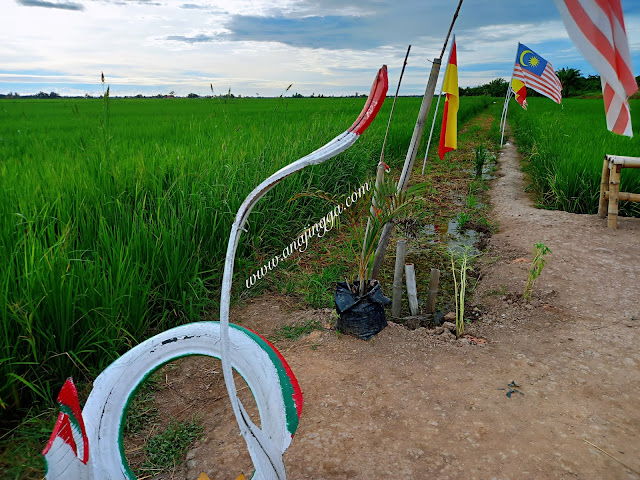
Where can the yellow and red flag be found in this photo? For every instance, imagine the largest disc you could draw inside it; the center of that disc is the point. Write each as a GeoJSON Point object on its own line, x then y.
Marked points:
{"type": "Point", "coordinates": [449, 130]}
{"type": "Point", "coordinates": [520, 91]}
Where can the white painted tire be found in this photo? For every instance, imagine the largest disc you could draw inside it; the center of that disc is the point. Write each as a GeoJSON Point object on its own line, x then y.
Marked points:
{"type": "Point", "coordinates": [105, 411]}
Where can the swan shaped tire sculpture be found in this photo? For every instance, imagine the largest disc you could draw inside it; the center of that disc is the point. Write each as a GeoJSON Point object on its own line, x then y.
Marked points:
{"type": "Point", "coordinates": [87, 444]}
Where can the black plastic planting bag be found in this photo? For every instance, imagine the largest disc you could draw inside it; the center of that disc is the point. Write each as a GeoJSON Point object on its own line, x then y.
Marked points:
{"type": "Point", "coordinates": [360, 316]}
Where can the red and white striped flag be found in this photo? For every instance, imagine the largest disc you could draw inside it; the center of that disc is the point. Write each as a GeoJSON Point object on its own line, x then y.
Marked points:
{"type": "Point", "coordinates": [597, 29]}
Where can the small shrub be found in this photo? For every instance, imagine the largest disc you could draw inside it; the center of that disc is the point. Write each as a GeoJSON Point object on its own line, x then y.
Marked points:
{"type": "Point", "coordinates": [537, 264]}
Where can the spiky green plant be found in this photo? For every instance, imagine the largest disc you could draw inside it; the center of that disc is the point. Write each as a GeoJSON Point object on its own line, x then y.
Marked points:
{"type": "Point", "coordinates": [537, 264]}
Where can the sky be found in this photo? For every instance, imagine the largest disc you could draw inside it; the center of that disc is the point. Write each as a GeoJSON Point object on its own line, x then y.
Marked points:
{"type": "Point", "coordinates": [260, 47]}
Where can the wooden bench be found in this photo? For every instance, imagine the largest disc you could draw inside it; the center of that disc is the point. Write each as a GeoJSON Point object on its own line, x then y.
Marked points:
{"type": "Point", "coordinates": [610, 187]}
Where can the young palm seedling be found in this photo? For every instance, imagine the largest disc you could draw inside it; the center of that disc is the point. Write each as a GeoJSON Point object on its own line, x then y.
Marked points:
{"type": "Point", "coordinates": [389, 204]}
{"type": "Point", "coordinates": [537, 264]}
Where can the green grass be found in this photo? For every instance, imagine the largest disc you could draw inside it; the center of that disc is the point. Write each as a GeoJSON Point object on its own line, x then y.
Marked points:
{"type": "Point", "coordinates": [168, 449]}
{"type": "Point", "coordinates": [143, 410]}
{"type": "Point", "coordinates": [565, 146]}
{"type": "Point", "coordinates": [296, 330]}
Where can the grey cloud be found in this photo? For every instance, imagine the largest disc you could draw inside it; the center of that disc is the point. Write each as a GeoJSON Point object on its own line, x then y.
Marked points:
{"type": "Point", "coordinates": [331, 32]}
{"type": "Point", "coordinates": [129, 2]}
{"type": "Point", "coordinates": [46, 4]}
{"type": "Point", "coordinates": [200, 38]}
{"type": "Point", "coordinates": [208, 8]}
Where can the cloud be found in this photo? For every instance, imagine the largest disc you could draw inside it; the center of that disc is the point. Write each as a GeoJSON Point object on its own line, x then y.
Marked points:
{"type": "Point", "coordinates": [330, 32]}
{"type": "Point", "coordinates": [200, 38]}
{"type": "Point", "coordinates": [129, 2]}
{"type": "Point", "coordinates": [205, 7]}
{"type": "Point", "coordinates": [46, 4]}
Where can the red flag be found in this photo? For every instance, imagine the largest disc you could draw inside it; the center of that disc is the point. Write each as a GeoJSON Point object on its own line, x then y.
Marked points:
{"type": "Point", "coordinates": [597, 29]}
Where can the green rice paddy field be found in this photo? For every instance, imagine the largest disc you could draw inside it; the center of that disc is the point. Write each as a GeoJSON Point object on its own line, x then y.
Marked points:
{"type": "Point", "coordinates": [114, 216]}
{"type": "Point", "coordinates": [565, 146]}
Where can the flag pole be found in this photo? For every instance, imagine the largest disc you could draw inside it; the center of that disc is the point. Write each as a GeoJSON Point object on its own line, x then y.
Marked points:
{"type": "Point", "coordinates": [413, 147]}
{"type": "Point", "coordinates": [505, 110]}
{"type": "Point", "coordinates": [507, 98]}
{"type": "Point", "coordinates": [504, 106]}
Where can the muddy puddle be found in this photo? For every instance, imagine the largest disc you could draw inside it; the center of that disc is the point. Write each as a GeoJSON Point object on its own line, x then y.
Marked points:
{"type": "Point", "coordinates": [452, 234]}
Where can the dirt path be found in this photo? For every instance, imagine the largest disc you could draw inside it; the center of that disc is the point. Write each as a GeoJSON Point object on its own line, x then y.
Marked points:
{"type": "Point", "coordinates": [412, 404]}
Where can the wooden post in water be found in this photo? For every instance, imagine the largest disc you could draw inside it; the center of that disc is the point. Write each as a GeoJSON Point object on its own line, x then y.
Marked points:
{"type": "Point", "coordinates": [401, 252]}
{"type": "Point", "coordinates": [433, 290]}
{"type": "Point", "coordinates": [412, 291]}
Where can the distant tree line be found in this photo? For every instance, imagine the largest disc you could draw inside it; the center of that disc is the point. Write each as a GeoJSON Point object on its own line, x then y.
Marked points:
{"type": "Point", "coordinates": [574, 84]}
{"type": "Point", "coordinates": [37, 95]}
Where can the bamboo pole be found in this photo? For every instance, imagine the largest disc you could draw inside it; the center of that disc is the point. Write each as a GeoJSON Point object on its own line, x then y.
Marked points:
{"type": "Point", "coordinates": [614, 190]}
{"type": "Point", "coordinates": [626, 162]}
{"type": "Point", "coordinates": [412, 291]}
{"type": "Point", "coordinates": [401, 252]}
{"type": "Point", "coordinates": [433, 290]}
{"type": "Point", "coordinates": [604, 188]}
{"type": "Point", "coordinates": [413, 148]}
{"type": "Point", "coordinates": [419, 127]}
{"type": "Point", "coordinates": [626, 197]}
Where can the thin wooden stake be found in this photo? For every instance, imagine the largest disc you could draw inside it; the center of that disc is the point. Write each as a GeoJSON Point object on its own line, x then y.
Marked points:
{"type": "Point", "coordinates": [401, 252]}
{"type": "Point", "coordinates": [393, 106]}
{"type": "Point", "coordinates": [433, 290]}
{"type": "Point", "coordinates": [412, 291]}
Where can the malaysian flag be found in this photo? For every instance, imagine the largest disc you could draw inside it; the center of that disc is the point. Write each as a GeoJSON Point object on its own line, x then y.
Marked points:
{"type": "Point", "coordinates": [535, 72]}
{"type": "Point", "coordinates": [597, 29]}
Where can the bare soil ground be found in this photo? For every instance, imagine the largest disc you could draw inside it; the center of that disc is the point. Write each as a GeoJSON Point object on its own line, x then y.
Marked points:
{"type": "Point", "coordinates": [419, 404]}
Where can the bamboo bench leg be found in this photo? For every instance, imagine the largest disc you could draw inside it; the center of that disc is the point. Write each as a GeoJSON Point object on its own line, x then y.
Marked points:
{"type": "Point", "coordinates": [614, 190]}
{"type": "Point", "coordinates": [604, 188]}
